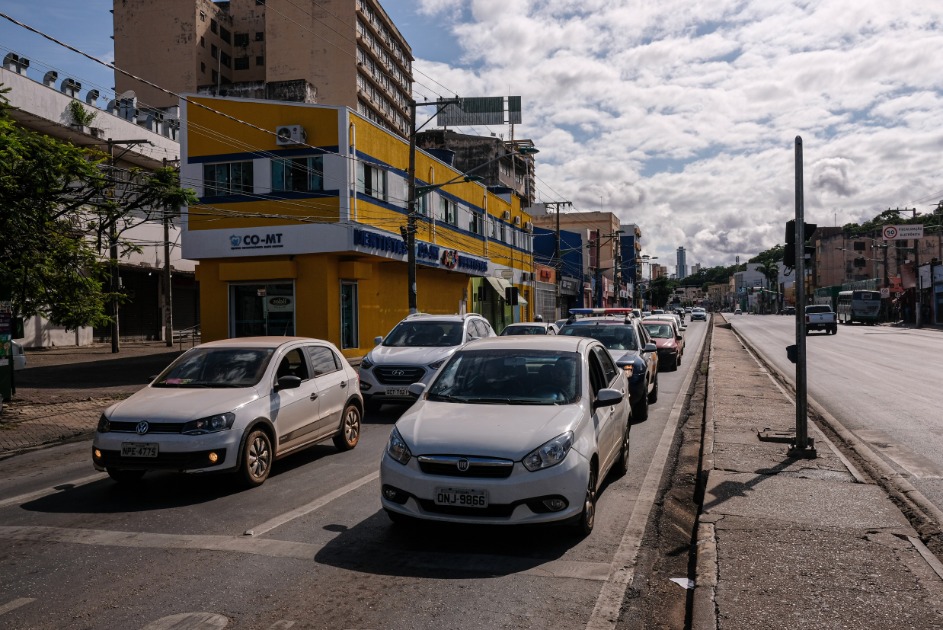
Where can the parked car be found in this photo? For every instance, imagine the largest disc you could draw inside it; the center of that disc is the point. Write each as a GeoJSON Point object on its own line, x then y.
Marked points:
{"type": "Point", "coordinates": [821, 317]}
{"type": "Point", "coordinates": [669, 340]}
{"type": "Point", "coordinates": [698, 314]}
{"type": "Point", "coordinates": [530, 328]}
{"type": "Point", "coordinates": [517, 430]}
{"type": "Point", "coordinates": [632, 349]}
{"type": "Point", "coordinates": [412, 352]}
{"type": "Point", "coordinates": [736, 311]}
{"type": "Point", "coordinates": [214, 409]}
{"type": "Point", "coordinates": [789, 310]}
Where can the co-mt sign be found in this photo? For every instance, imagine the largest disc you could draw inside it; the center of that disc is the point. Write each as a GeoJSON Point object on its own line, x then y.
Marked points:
{"type": "Point", "coordinates": [900, 232]}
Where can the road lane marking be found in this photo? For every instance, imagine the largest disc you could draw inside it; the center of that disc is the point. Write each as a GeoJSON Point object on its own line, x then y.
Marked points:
{"type": "Point", "coordinates": [16, 603]}
{"type": "Point", "coordinates": [622, 568]}
{"type": "Point", "coordinates": [317, 504]}
{"type": "Point", "coordinates": [62, 487]}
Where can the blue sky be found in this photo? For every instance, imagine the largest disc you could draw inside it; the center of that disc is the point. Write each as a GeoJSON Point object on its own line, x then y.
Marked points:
{"type": "Point", "coordinates": [679, 116]}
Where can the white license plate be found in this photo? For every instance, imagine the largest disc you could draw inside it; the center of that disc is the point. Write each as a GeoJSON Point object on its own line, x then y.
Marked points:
{"type": "Point", "coordinates": [397, 391]}
{"type": "Point", "coordinates": [139, 449]}
{"type": "Point", "coordinates": [461, 497]}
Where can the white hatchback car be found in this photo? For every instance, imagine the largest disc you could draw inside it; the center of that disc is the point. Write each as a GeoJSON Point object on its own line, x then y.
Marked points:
{"type": "Point", "coordinates": [233, 405]}
{"type": "Point", "coordinates": [513, 430]}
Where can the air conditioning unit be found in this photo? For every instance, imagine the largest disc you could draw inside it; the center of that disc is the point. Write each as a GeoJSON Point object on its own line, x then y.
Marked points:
{"type": "Point", "coordinates": [527, 276]}
{"type": "Point", "coordinates": [506, 215]}
{"type": "Point", "coordinates": [288, 135]}
{"type": "Point", "coordinates": [517, 220]}
{"type": "Point", "coordinates": [529, 226]}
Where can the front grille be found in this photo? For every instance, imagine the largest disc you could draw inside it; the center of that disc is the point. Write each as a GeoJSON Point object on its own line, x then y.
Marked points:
{"type": "Point", "coordinates": [163, 461]}
{"type": "Point", "coordinates": [152, 427]}
{"type": "Point", "coordinates": [478, 467]}
{"type": "Point", "coordinates": [399, 375]}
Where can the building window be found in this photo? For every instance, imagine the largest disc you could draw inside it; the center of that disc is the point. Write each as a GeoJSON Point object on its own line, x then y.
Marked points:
{"type": "Point", "coordinates": [475, 223]}
{"type": "Point", "coordinates": [225, 59]}
{"type": "Point", "coordinates": [261, 309]}
{"type": "Point", "coordinates": [214, 26]}
{"type": "Point", "coordinates": [259, 36]}
{"type": "Point", "coordinates": [447, 211]}
{"type": "Point", "coordinates": [242, 63]}
{"type": "Point", "coordinates": [214, 51]}
{"type": "Point", "coordinates": [215, 77]}
{"type": "Point", "coordinates": [202, 68]}
{"type": "Point", "coordinates": [225, 35]}
{"type": "Point", "coordinates": [241, 39]}
{"type": "Point", "coordinates": [202, 16]}
{"type": "Point", "coordinates": [202, 42]}
{"type": "Point", "coordinates": [371, 180]}
{"type": "Point", "coordinates": [350, 323]}
{"type": "Point", "coordinates": [227, 178]}
{"type": "Point", "coordinates": [298, 174]}
{"type": "Point", "coordinates": [260, 60]}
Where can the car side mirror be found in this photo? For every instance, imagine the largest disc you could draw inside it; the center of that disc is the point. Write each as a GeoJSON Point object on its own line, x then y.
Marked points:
{"type": "Point", "coordinates": [416, 389]}
{"type": "Point", "coordinates": [607, 397]}
{"type": "Point", "coordinates": [377, 341]}
{"type": "Point", "coordinates": [288, 382]}
{"type": "Point", "coordinates": [650, 347]}
{"type": "Point", "coordinates": [679, 337]}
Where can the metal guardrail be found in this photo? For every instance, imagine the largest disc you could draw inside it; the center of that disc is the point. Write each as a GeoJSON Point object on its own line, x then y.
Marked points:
{"type": "Point", "coordinates": [192, 334]}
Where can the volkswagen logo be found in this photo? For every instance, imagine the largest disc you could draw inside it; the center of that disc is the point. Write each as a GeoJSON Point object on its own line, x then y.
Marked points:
{"type": "Point", "coordinates": [398, 372]}
{"type": "Point", "coordinates": [462, 465]}
{"type": "Point", "coordinates": [142, 427]}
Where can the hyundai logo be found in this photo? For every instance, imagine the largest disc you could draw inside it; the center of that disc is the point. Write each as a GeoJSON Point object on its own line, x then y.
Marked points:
{"type": "Point", "coordinates": [398, 372]}
{"type": "Point", "coordinates": [142, 427]}
{"type": "Point", "coordinates": [462, 465]}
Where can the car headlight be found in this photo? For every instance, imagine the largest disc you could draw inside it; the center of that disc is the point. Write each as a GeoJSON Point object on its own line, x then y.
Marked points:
{"type": "Point", "coordinates": [366, 363]}
{"type": "Point", "coordinates": [210, 424]}
{"type": "Point", "coordinates": [104, 424]}
{"type": "Point", "coordinates": [550, 454]}
{"type": "Point", "coordinates": [437, 364]}
{"type": "Point", "coordinates": [397, 448]}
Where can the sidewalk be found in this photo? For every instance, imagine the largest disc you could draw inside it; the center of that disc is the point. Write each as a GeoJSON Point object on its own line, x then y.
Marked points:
{"type": "Point", "coordinates": [795, 543]}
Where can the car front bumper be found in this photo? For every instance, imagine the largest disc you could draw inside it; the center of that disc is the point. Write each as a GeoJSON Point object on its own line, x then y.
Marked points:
{"type": "Point", "coordinates": [184, 453]}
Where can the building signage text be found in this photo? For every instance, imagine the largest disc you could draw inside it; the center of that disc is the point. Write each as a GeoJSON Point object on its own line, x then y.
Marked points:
{"type": "Point", "coordinates": [256, 241]}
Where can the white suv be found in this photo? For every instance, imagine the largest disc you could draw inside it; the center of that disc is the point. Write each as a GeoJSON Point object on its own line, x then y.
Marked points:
{"type": "Point", "coordinates": [412, 352]}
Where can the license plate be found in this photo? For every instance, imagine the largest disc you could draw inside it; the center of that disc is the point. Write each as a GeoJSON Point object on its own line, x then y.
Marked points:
{"type": "Point", "coordinates": [461, 497]}
{"type": "Point", "coordinates": [139, 449]}
{"type": "Point", "coordinates": [397, 391]}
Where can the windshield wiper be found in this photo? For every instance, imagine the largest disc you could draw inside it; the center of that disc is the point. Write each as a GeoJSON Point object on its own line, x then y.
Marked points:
{"type": "Point", "coordinates": [447, 398]}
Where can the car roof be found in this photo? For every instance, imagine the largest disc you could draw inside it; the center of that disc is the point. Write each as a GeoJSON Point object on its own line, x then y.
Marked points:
{"type": "Point", "coordinates": [428, 317]}
{"type": "Point", "coordinates": [529, 342]}
{"type": "Point", "coordinates": [257, 342]}
{"type": "Point", "coordinates": [607, 321]}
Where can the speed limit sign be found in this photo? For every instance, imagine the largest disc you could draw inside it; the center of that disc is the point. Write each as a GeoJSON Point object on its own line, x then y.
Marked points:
{"type": "Point", "coordinates": [890, 232]}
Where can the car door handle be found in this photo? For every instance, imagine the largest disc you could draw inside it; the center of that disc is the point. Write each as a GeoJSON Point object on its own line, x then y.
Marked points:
{"type": "Point", "coordinates": [343, 384]}
{"type": "Point", "coordinates": [313, 396]}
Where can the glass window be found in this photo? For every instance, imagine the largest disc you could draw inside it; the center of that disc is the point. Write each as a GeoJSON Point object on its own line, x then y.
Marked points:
{"type": "Point", "coordinates": [216, 367]}
{"type": "Point", "coordinates": [225, 59]}
{"type": "Point", "coordinates": [262, 309]}
{"type": "Point", "coordinates": [350, 324]}
{"type": "Point", "coordinates": [293, 364]}
{"type": "Point", "coordinates": [322, 359]}
{"type": "Point", "coordinates": [227, 179]}
{"type": "Point", "coordinates": [425, 334]}
{"type": "Point", "coordinates": [259, 36]}
{"type": "Point", "coordinates": [298, 174]}
{"type": "Point", "coordinates": [609, 369]}
{"type": "Point", "coordinates": [225, 35]}
{"type": "Point", "coordinates": [242, 63]}
{"type": "Point", "coordinates": [214, 26]}
{"type": "Point", "coordinates": [371, 180]}
{"type": "Point", "coordinates": [241, 39]}
{"type": "Point", "coordinates": [214, 51]}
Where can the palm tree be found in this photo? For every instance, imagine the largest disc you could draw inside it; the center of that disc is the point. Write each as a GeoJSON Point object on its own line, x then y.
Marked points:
{"type": "Point", "coordinates": [770, 271]}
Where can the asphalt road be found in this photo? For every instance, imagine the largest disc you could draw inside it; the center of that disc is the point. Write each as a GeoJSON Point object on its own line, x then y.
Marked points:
{"type": "Point", "coordinates": [310, 547]}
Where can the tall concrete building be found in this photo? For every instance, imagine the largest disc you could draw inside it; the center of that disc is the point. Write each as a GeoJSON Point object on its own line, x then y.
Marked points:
{"type": "Point", "coordinates": [682, 264]}
{"type": "Point", "coordinates": [331, 52]}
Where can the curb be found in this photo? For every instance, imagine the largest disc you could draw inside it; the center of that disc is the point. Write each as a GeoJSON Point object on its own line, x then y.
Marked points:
{"type": "Point", "coordinates": [704, 612]}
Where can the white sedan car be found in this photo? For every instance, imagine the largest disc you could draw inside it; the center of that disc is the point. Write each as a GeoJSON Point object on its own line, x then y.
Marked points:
{"type": "Point", "coordinates": [234, 405]}
{"type": "Point", "coordinates": [513, 430]}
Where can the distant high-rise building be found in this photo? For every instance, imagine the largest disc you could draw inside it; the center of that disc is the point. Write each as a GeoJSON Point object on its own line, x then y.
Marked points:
{"type": "Point", "coordinates": [331, 52]}
{"type": "Point", "coordinates": [682, 264]}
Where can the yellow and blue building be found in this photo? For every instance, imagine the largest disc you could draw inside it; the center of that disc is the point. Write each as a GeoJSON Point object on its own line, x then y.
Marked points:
{"type": "Point", "coordinates": [300, 226]}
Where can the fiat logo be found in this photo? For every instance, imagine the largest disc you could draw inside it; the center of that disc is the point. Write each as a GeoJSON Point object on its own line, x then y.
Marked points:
{"type": "Point", "coordinates": [462, 465]}
{"type": "Point", "coordinates": [142, 427]}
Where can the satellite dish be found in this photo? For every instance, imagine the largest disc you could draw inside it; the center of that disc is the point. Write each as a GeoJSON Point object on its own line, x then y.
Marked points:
{"type": "Point", "coordinates": [126, 95]}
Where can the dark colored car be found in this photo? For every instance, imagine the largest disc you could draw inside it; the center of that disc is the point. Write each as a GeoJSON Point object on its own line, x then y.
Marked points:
{"type": "Point", "coordinates": [669, 340]}
{"type": "Point", "coordinates": [632, 348]}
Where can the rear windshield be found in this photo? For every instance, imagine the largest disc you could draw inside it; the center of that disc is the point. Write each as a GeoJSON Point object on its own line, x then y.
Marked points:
{"type": "Point", "coordinates": [614, 337]}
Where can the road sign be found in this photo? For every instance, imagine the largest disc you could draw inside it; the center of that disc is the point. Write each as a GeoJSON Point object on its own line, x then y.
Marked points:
{"type": "Point", "coordinates": [899, 232]}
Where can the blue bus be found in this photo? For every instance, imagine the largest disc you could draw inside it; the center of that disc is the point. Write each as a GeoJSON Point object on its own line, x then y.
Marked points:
{"type": "Point", "coordinates": [859, 306]}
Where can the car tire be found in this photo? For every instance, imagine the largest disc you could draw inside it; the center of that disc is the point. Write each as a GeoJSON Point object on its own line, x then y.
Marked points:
{"type": "Point", "coordinates": [640, 410]}
{"type": "Point", "coordinates": [653, 396]}
{"type": "Point", "coordinates": [587, 519]}
{"type": "Point", "coordinates": [350, 428]}
{"type": "Point", "coordinates": [371, 406]}
{"type": "Point", "coordinates": [257, 458]}
{"type": "Point", "coordinates": [622, 466]}
{"type": "Point", "coordinates": [125, 476]}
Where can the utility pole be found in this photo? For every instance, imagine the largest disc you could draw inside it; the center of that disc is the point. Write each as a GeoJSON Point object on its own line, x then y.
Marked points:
{"type": "Point", "coordinates": [557, 255]}
{"type": "Point", "coordinates": [803, 445]}
{"type": "Point", "coordinates": [167, 281]}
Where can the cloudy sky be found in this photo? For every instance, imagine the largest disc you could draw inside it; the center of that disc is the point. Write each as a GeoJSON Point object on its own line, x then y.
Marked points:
{"type": "Point", "coordinates": [678, 115]}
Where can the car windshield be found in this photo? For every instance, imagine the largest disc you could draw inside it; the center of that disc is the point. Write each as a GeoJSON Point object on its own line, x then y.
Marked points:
{"type": "Point", "coordinates": [425, 334]}
{"type": "Point", "coordinates": [510, 377]}
{"type": "Point", "coordinates": [217, 368]}
{"type": "Point", "coordinates": [660, 331]}
{"type": "Point", "coordinates": [524, 330]}
{"type": "Point", "coordinates": [613, 336]}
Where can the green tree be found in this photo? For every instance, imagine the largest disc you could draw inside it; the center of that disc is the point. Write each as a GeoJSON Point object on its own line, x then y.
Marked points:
{"type": "Point", "coordinates": [61, 208]}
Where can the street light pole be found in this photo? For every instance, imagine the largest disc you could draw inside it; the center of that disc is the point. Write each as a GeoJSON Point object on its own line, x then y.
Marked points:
{"type": "Point", "coordinates": [411, 213]}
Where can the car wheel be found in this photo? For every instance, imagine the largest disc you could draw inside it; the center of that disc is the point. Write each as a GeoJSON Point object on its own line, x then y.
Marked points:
{"type": "Point", "coordinates": [372, 406]}
{"type": "Point", "coordinates": [125, 476]}
{"type": "Point", "coordinates": [257, 458]}
{"type": "Point", "coordinates": [588, 518]}
{"type": "Point", "coordinates": [653, 396]}
{"type": "Point", "coordinates": [622, 466]}
{"type": "Point", "coordinates": [350, 429]}
{"type": "Point", "coordinates": [640, 410]}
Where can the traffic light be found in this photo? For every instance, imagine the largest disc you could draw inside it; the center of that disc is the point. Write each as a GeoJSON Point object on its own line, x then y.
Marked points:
{"type": "Point", "coordinates": [789, 252]}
